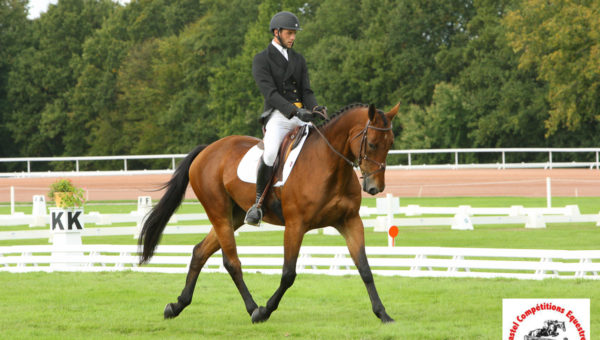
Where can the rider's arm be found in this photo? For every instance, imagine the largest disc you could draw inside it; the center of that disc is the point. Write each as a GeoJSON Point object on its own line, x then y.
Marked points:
{"type": "Point", "coordinates": [308, 96]}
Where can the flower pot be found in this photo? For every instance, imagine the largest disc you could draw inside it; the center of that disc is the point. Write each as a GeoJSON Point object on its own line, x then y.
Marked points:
{"type": "Point", "coordinates": [58, 198]}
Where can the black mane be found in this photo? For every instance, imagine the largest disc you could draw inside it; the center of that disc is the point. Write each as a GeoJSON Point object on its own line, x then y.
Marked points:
{"type": "Point", "coordinates": [346, 109]}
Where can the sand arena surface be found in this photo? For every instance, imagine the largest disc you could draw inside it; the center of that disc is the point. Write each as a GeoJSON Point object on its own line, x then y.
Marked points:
{"type": "Point", "coordinates": [403, 183]}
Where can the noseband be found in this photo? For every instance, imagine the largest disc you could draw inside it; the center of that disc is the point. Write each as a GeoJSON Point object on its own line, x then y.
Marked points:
{"type": "Point", "coordinates": [362, 154]}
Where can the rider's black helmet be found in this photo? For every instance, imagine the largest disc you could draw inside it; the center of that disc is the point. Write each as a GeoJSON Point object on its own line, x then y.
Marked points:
{"type": "Point", "coordinates": [285, 20]}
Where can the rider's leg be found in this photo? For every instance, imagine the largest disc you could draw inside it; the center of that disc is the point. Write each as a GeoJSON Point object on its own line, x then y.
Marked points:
{"type": "Point", "coordinates": [275, 130]}
{"type": "Point", "coordinates": [264, 173]}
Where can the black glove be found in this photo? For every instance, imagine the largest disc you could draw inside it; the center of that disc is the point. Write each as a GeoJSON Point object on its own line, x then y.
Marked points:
{"type": "Point", "coordinates": [304, 115]}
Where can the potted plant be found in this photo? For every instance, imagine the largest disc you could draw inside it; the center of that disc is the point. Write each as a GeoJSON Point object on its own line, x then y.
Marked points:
{"type": "Point", "coordinates": [65, 194]}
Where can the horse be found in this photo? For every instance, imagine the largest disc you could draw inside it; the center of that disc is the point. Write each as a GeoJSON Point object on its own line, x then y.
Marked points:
{"type": "Point", "coordinates": [551, 328]}
{"type": "Point", "coordinates": [358, 133]}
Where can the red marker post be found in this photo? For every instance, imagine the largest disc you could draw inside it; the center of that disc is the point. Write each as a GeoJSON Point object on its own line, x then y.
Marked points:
{"type": "Point", "coordinates": [392, 233]}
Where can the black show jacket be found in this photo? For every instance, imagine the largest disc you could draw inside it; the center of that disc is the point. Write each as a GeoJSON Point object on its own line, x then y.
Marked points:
{"type": "Point", "coordinates": [282, 82]}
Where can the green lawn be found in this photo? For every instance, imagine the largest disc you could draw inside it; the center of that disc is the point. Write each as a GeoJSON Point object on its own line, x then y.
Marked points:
{"type": "Point", "coordinates": [129, 305]}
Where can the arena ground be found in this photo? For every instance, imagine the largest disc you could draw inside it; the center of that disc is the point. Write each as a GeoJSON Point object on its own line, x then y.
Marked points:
{"type": "Point", "coordinates": [402, 183]}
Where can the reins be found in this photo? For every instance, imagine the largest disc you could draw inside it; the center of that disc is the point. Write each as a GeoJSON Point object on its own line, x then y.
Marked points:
{"type": "Point", "coordinates": [362, 155]}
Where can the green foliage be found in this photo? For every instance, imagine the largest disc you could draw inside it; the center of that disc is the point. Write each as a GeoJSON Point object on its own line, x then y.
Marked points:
{"type": "Point", "coordinates": [69, 195]}
{"type": "Point", "coordinates": [159, 76]}
{"type": "Point", "coordinates": [15, 36]}
{"type": "Point", "coordinates": [561, 41]}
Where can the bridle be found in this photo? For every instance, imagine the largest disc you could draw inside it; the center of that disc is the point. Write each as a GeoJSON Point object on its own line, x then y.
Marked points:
{"type": "Point", "coordinates": [362, 154]}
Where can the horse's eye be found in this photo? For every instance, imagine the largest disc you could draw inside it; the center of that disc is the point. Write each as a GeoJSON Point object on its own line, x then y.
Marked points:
{"type": "Point", "coordinates": [372, 146]}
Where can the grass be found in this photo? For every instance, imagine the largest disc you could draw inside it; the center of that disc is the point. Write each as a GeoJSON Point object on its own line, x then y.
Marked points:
{"type": "Point", "coordinates": [129, 305]}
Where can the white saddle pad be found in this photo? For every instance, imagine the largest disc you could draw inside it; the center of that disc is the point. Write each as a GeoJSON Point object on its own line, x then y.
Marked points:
{"type": "Point", "coordinates": [246, 170]}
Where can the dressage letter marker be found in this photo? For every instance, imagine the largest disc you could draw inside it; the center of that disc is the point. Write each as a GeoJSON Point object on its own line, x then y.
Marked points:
{"type": "Point", "coordinates": [72, 218]}
{"type": "Point", "coordinates": [56, 220]}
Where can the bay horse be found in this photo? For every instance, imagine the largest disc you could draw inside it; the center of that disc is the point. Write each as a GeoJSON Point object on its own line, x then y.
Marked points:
{"type": "Point", "coordinates": [332, 197]}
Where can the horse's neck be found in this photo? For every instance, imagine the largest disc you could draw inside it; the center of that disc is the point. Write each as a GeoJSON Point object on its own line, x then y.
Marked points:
{"type": "Point", "coordinates": [339, 134]}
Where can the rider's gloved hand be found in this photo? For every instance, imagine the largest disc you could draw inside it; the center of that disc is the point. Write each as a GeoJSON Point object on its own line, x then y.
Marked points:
{"type": "Point", "coordinates": [319, 108]}
{"type": "Point", "coordinates": [304, 115]}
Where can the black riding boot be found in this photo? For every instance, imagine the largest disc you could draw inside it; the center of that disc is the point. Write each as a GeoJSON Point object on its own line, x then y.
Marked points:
{"type": "Point", "coordinates": [264, 173]}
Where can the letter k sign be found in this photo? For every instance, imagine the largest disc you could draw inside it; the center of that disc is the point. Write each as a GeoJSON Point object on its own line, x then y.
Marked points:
{"type": "Point", "coordinates": [72, 220]}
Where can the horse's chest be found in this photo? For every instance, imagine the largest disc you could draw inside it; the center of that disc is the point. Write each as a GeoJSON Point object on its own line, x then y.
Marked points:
{"type": "Point", "coordinates": [336, 210]}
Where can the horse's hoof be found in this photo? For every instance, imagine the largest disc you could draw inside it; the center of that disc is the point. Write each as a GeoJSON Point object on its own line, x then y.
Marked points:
{"type": "Point", "coordinates": [260, 315]}
{"type": "Point", "coordinates": [386, 319]}
{"type": "Point", "coordinates": [169, 313]}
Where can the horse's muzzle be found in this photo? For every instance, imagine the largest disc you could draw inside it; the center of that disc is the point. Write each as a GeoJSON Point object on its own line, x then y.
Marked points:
{"type": "Point", "coordinates": [370, 186]}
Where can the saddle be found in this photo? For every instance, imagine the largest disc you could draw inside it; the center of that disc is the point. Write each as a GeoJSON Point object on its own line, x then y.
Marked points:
{"type": "Point", "coordinates": [289, 143]}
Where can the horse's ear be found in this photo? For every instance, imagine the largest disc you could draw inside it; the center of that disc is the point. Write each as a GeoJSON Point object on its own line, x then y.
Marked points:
{"type": "Point", "coordinates": [372, 112]}
{"type": "Point", "coordinates": [392, 113]}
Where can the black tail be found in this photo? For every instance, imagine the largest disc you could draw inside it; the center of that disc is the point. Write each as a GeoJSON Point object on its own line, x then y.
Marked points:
{"type": "Point", "coordinates": [164, 209]}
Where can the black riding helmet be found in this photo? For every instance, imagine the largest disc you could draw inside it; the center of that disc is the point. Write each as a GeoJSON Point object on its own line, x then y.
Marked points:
{"type": "Point", "coordinates": [285, 20]}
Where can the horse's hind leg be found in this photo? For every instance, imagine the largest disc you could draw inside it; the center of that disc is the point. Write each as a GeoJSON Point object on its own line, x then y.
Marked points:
{"type": "Point", "coordinates": [202, 251]}
{"type": "Point", "coordinates": [232, 263]}
{"type": "Point", "coordinates": [353, 232]}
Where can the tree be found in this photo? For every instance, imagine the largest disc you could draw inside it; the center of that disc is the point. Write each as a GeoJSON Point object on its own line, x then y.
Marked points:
{"type": "Point", "coordinates": [15, 36]}
{"type": "Point", "coordinates": [42, 76]}
{"type": "Point", "coordinates": [561, 41]}
{"type": "Point", "coordinates": [100, 119]}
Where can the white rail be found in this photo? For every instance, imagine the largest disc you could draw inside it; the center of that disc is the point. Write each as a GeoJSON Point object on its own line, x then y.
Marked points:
{"type": "Point", "coordinates": [592, 161]}
{"type": "Point", "coordinates": [397, 261]}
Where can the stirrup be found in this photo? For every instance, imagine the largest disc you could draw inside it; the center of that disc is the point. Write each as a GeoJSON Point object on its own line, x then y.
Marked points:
{"type": "Point", "coordinates": [254, 215]}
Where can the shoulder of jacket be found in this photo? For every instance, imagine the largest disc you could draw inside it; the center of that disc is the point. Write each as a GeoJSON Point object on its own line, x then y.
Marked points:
{"type": "Point", "coordinates": [296, 55]}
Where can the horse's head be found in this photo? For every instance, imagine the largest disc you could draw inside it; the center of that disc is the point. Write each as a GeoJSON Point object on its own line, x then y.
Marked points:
{"type": "Point", "coordinates": [371, 145]}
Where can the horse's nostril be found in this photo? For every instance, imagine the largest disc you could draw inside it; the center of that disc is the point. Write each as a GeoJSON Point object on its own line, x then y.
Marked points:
{"type": "Point", "coordinates": [373, 191]}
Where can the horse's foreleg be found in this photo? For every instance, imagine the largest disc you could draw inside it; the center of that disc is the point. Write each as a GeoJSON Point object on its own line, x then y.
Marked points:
{"type": "Point", "coordinates": [292, 241]}
{"type": "Point", "coordinates": [202, 251]}
{"type": "Point", "coordinates": [353, 232]}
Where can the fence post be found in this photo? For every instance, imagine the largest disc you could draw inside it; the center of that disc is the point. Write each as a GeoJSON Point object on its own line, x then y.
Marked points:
{"type": "Point", "coordinates": [38, 212]}
{"type": "Point", "coordinates": [456, 159]}
{"type": "Point", "coordinates": [12, 200]}
{"type": "Point", "coordinates": [548, 193]}
{"type": "Point", "coordinates": [144, 207]}
{"type": "Point", "coordinates": [462, 219]}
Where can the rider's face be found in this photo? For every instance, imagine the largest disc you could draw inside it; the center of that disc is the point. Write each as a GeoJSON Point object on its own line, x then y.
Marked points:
{"type": "Point", "coordinates": [287, 37]}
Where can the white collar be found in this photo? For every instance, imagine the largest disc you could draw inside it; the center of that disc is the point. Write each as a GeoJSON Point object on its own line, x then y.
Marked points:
{"type": "Point", "coordinates": [280, 48]}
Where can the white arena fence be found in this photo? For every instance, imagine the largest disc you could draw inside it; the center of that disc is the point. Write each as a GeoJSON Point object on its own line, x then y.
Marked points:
{"type": "Point", "coordinates": [397, 261]}
{"type": "Point", "coordinates": [387, 213]}
{"type": "Point", "coordinates": [590, 154]}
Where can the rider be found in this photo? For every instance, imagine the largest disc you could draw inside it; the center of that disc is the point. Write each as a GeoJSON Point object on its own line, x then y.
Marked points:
{"type": "Point", "coordinates": [282, 77]}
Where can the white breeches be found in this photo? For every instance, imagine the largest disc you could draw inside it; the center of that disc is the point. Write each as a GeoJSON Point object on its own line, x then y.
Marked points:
{"type": "Point", "coordinates": [275, 130]}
